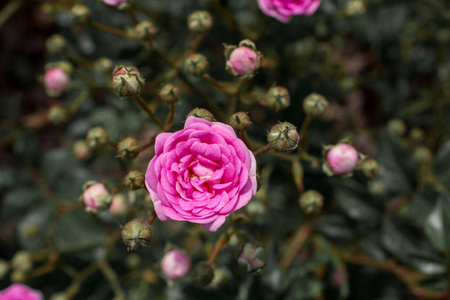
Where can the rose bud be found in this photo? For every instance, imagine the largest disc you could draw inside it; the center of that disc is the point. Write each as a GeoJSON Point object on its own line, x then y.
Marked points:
{"type": "Point", "coordinates": [80, 14]}
{"type": "Point", "coordinates": [370, 168]}
{"type": "Point", "coordinates": [97, 137]}
{"type": "Point", "coordinates": [145, 31]}
{"type": "Point", "coordinates": [134, 180]}
{"type": "Point", "coordinates": [136, 235]}
{"type": "Point", "coordinates": [283, 10]}
{"type": "Point", "coordinates": [252, 258]}
{"type": "Point", "coordinates": [283, 137]}
{"type": "Point", "coordinates": [56, 80]}
{"type": "Point", "coordinates": [169, 94]}
{"type": "Point", "coordinates": [277, 98]}
{"type": "Point", "coordinates": [22, 261]}
{"type": "Point", "coordinates": [311, 202]}
{"type": "Point", "coordinates": [203, 274]}
{"type": "Point", "coordinates": [342, 158]}
{"type": "Point", "coordinates": [397, 127]}
{"type": "Point", "coordinates": [127, 81]}
{"type": "Point", "coordinates": [202, 114]}
{"type": "Point", "coordinates": [355, 8]}
{"type": "Point", "coordinates": [81, 150]}
{"type": "Point", "coordinates": [118, 205]}
{"type": "Point", "coordinates": [116, 3]}
{"type": "Point", "coordinates": [175, 264]}
{"type": "Point", "coordinates": [417, 135]}
{"type": "Point", "coordinates": [240, 121]}
{"type": "Point", "coordinates": [200, 21]}
{"type": "Point", "coordinates": [196, 65]}
{"type": "Point", "coordinates": [315, 105]}
{"type": "Point", "coordinates": [19, 291]}
{"type": "Point", "coordinates": [243, 60]}
{"type": "Point", "coordinates": [55, 43]}
{"type": "Point", "coordinates": [128, 148]}
{"type": "Point", "coordinates": [103, 65]}
{"type": "Point", "coordinates": [57, 114]}
{"type": "Point", "coordinates": [4, 268]}
{"type": "Point", "coordinates": [96, 197]}
{"type": "Point", "coordinates": [422, 155]}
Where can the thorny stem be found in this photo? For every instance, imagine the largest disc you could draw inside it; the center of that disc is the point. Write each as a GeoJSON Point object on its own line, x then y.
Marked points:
{"type": "Point", "coordinates": [152, 115]}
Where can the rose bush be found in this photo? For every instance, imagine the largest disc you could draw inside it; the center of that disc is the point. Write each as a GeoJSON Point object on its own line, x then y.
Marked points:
{"type": "Point", "coordinates": [284, 9]}
{"type": "Point", "coordinates": [200, 174]}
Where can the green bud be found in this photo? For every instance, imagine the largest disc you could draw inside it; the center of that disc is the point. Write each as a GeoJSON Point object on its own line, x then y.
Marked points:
{"type": "Point", "coordinates": [201, 113]}
{"type": "Point", "coordinates": [355, 8]}
{"type": "Point", "coordinates": [283, 137]}
{"type": "Point", "coordinates": [136, 235]}
{"type": "Point", "coordinates": [145, 31]}
{"type": "Point", "coordinates": [22, 262]}
{"type": "Point", "coordinates": [97, 137]}
{"type": "Point", "coordinates": [240, 121]}
{"type": "Point", "coordinates": [315, 105]}
{"type": "Point", "coordinates": [370, 168]}
{"type": "Point", "coordinates": [252, 258]}
{"type": "Point", "coordinates": [417, 135]}
{"type": "Point", "coordinates": [200, 21]}
{"type": "Point", "coordinates": [127, 81]}
{"type": "Point", "coordinates": [104, 65]}
{"type": "Point", "coordinates": [134, 180]}
{"type": "Point", "coordinates": [169, 94]}
{"type": "Point", "coordinates": [203, 274]}
{"type": "Point", "coordinates": [81, 149]}
{"type": "Point", "coordinates": [422, 155]}
{"type": "Point", "coordinates": [277, 98]}
{"type": "Point", "coordinates": [80, 14]}
{"type": "Point", "coordinates": [196, 65]}
{"type": "Point", "coordinates": [128, 148]}
{"type": "Point", "coordinates": [57, 114]}
{"type": "Point", "coordinates": [397, 127]}
{"type": "Point", "coordinates": [4, 268]}
{"type": "Point", "coordinates": [55, 43]}
{"type": "Point", "coordinates": [311, 202]}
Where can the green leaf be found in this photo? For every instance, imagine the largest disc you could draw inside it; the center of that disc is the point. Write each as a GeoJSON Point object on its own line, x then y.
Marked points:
{"type": "Point", "coordinates": [34, 227]}
{"type": "Point", "coordinates": [399, 239]}
{"type": "Point", "coordinates": [437, 226]}
{"type": "Point", "coordinates": [18, 201]}
{"type": "Point", "coordinates": [418, 209]}
{"type": "Point", "coordinates": [428, 263]}
{"type": "Point", "coordinates": [442, 164]}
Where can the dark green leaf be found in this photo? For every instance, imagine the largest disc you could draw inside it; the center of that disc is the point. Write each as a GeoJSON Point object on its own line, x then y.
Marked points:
{"type": "Point", "coordinates": [437, 226]}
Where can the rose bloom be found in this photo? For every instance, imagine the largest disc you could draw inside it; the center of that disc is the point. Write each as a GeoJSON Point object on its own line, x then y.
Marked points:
{"type": "Point", "coordinates": [18, 291]}
{"type": "Point", "coordinates": [175, 264]}
{"type": "Point", "coordinates": [114, 2]}
{"type": "Point", "coordinates": [342, 158]}
{"type": "Point", "coordinates": [200, 174]}
{"type": "Point", "coordinates": [284, 9]}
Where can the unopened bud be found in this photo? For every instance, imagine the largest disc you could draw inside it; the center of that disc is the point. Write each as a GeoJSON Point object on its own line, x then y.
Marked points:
{"type": "Point", "coordinates": [196, 65]}
{"type": "Point", "coordinates": [342, 158]}
{"type": "Point", "coordinates": [97, 137]}
{"type": "Point", "coordinates": [4, 268]}
{"type": "Point", "coordinates": [59, 296]}
{"type": "Point", "coordinates": [200, 21]}
{"type": "Point", "coordinates": [397, 127]}
{"type": "Point", "coordinates": [127, 81]}
{"type": "Point", "coordinates": [203, 274]}
{"type": "Point", "coordinates": [370, 168]}
{"type": "Point", "coordinates": [132, 261]}
{"type": "Point", "coordinates": [277, 98]}
{"type": "Point", "coordinates": [104, 65]}
{"type": "Point", "coordinates": [311, 202]}
{"type": "Point", "coordinates": [145, 31]}
{"type": "Point", "coordinates": [22, 261]}
{"type": "Point", "coordinates": [115, 3]}
{"type": "Point", "coordinates": [134, 180]}
{"type": "Point", "coordinates": [243, 60]}
{"type": "Point", "coordinates": [56, 80]}
{"type": "Point", "coordinates": [175, 264]}
{"type": "Point", "coordinates": [355, 8]}
{"type": "Point", "coordinates": [221, 277]}
{"type": "Point", "coordinates": [422, 155]}
{"type": "Point", "coordinates": [252, 258]}
{"type": "Point", "coordinates": [315, 105]}
{"type": "Point", "coordinates": [55, 43]}
{"type": "Point", "coordinates": [169, 94]}
{"type": "Point", "coordinates": [417, 135]}
{"type": "Point", "coordinates": [118, 205]}
{"type": "Point", "coordinates": [240, 121]}
{"type": "Point", "coordinates": [136, 235]}
{"type": "Point", "coordinates": [80, 14]}
{"type": "Point", "coordinates": [128, 148]}
{"type": "Point", "coordinates": [18, 276]}
{"type": "Point", "coordinates": [81, 150]}
{"type": "Point", "coordinates": [57, 114]}
{"type": "Point", "coordinates": [283, 137]}
{"type": "Point", "coordinates": [96, 197]}
{"type": "Point", "coordinates": [201, 113]}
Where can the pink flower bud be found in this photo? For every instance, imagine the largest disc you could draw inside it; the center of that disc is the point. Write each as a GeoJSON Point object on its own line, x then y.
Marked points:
{"type": "Point", "coordinates": [342, 158]}
{"type": "Point", "coordinates": [56, 80]}
{"type": "Point", "coordinates": [127, 81]}
{"type": "Point", "coordinates": [175, 264]}
{"type": "Point", "coordinates": [114, 2]}
{"type": "Point", "coordinates": [243, 60]}
{"type": "Point", "coordinates": [118, 205]}
{"type": "Point", "coordinates": [96, 197]}
{"type": "Point", "coordinates": [20, 291]}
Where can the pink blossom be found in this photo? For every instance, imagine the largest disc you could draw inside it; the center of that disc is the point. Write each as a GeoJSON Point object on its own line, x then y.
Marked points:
{"type": "Point", "coordinates": [284, 9]}
{"type": "Point", "coordinates": [200, 174]}
{"type": "Point", "coordinates": [96, 197]}
{"type": "Point", "coordinates": [114, 2]}
{"type": "Point", "coordinates": [56, 80]}
{"type": "Point", "coordinates": [18, 291]}
{"type": "Point", "coordinates": [342, 158]}
{"type": "Point", "coordinates": [244, 60]}
{"type": "Point", "coordinates": [175, 264]}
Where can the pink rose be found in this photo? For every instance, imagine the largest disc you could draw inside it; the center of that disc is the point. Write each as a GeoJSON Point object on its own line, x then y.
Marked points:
{"type": "Point", "coordinates": [200, 174]}
{"type": "Point", "coordinates": [284, 9]}
{"type": "Point", "coordinates": [56, 80]}
{"type": "Point", "coordinates": [244, 60]}
{"type": "Point", "coordinates": [342, 158]}
{"type": "Point", "coordinates": [114, 2]}
{"type": "Point", "coordinates": [19, 291]}
{"type": "Point", "coordinates": [175, 264]}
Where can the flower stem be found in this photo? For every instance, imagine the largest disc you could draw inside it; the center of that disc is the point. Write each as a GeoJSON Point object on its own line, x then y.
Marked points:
{"type": "Point", "coordinates": [152, 115]}
{"type": "Point", "coordinates": [303, 135]}
{"type": "Point", "coordinates": [151, 218]}
{"type": "Point", "coordinates": [262, 150]}
{"type": "Point", "coordinates": [221, 242]}
{"type": "Point", "coordinates": [296, 244]}
{"type": "Point", "coordinates": [110, 30]}
{"type": "Point", "coordinates": [170, 117]}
